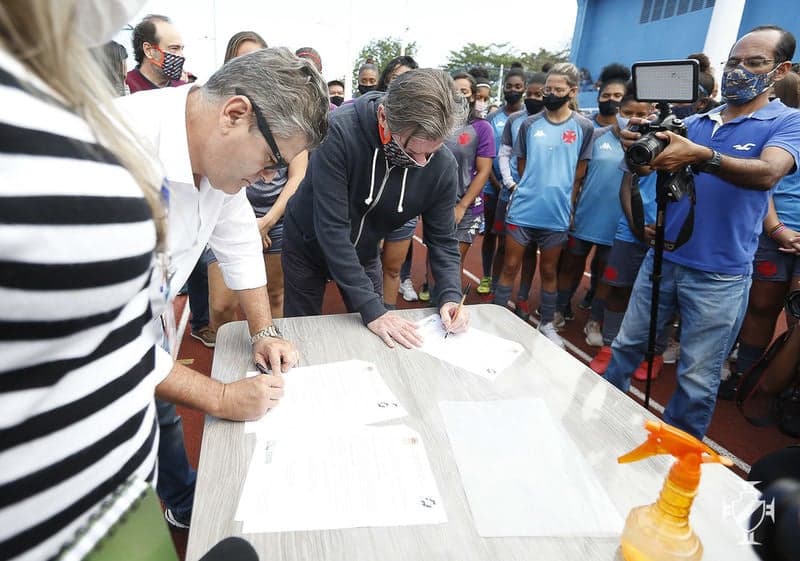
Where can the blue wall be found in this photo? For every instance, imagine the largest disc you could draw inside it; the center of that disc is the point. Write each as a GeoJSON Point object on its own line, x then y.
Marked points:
{"type": "Point", "coordinates": [612, 32]}
{"type": "Point", "coordinates": [785, 13]}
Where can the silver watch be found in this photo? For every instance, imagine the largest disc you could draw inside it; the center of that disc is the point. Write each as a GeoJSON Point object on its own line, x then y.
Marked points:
{"type": "Point", "coordinates": [269, 331]}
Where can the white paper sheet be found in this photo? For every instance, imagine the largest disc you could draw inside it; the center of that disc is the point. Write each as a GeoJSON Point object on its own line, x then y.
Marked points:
{"type": "Point", "coordinates": [474, 350]}
{"type": "Point", "coordinates": [367, 476]}
{"type": "Point", "coordinates": [523, 474]}
{"type": "Point", "coordinates": [328, 397]}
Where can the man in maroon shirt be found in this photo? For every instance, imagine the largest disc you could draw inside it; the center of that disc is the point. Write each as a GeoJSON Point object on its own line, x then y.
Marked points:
{"type": "Point", "coordinates": [158, 50]}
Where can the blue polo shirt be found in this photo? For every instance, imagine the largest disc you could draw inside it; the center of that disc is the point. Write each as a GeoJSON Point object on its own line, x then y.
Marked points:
{"type": "Point", "coordinates": [552, 152]}
{"type": "Point", "coordinates": [728, 218]}
{"type": "Point", "coordinates": [598, 209]}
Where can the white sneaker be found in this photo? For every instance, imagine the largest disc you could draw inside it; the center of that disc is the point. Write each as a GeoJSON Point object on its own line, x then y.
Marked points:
{"type": "Point", "coordinates": [594, 335]}
{"type": "Point", "coordinates": [549, 331]}
{"type": "Point", "coordinates": [672, 353]}
{"type": "Point", "coordinates": [558, 321]}
{"type": "Point", "coordinates": [406, 289]}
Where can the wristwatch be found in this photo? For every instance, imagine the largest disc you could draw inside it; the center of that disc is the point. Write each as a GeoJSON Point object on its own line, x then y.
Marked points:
{"type": "Point", "coordinates": [711, 165]}
{"type": "Point", "coordinates": [269, 331]}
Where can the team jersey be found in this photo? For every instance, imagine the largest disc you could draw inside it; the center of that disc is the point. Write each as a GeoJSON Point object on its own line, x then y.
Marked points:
{"type": "Point", "coordinates": [542, 198]}
{"type": "Point", "coordinates": [510, 133]}
{"type": "Point", "coordinates": [598, 210]}
{"type": "Point", "coordinates": [786, 197]}
{"type": "Point", "coordinates": [471, 141]}
{"type": "Point", "coordinates": [647, 190]}
{"type": "Point", "coordinates": [498, 121]}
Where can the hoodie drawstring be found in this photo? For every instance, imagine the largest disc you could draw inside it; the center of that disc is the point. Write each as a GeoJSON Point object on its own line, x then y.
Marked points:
{"type": "Point", "coordinates": [368, 200]}
{"type": "Point", "coordinates": [402, 192]}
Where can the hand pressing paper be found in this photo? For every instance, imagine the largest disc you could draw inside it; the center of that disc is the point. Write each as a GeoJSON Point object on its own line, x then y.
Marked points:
{"type": "Point", "coordinates": [474, 350]}
{"type": "Point", "coordinates": [327, 397]}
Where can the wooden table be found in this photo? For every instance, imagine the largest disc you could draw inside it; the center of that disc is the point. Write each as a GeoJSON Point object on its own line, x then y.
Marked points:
{"type": "Point", "coordinates": [603, 422]}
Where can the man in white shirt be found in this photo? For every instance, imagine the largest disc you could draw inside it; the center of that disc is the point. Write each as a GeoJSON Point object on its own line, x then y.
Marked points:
{"type": "Point", "coordinates": [213, 141]}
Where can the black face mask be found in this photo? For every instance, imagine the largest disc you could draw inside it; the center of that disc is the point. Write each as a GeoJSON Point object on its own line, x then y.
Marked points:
{"type": "Point", "coordinates": [553, 102]}
{"type": "Point", "coordinates": [512, 98]}
{"type": "Point", "coordinates": [362, 89]}
{"type": "Point", "coordinates": [533, 106]}
{"type": "Point", "coordinates": [337, 100]}
{"type": "Point", "coordinates": [608, 107]}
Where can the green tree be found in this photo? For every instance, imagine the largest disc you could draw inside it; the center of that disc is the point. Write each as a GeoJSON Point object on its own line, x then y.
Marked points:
{"type": "Point", "coordinates": [494, 56]}
{"type": "Point", "coordinates": [381, 51]}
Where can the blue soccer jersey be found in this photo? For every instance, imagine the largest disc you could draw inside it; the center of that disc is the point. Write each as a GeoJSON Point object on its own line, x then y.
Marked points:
{"type": "Point", "coordinates": [786, 197]}
{"type": "Point", "coordinates": [598, 209]}
{"type": "Point", "coordinates": [647, 190]}
{"type": "Point", "coordinates": [498, 121]}
{"type": "Point", "coordinates": [551, 152]}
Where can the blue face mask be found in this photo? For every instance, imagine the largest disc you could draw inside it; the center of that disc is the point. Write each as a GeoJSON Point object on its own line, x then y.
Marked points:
{"type": "Point", "coordinates": [739, 85]}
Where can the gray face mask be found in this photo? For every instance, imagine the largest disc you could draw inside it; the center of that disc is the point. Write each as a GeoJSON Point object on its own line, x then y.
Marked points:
{"type": "Point", "coordinates": [399, 157]}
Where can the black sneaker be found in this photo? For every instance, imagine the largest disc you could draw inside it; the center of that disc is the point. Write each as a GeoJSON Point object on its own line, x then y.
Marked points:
{"type": "Point", "coordinates": [727, 388]}
{"type": "Point", "coordinates": [586, 303]}
{"type": "Point", "coordinates": [179, 521]}
{"type": "Point", "coordinates": [567, 312]}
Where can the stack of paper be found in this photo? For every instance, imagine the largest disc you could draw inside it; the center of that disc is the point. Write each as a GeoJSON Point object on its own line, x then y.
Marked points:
{"type": "Point", "coordinates": [364, 477]}
{"type": "Point", "coordinates": [327, 397]}
{"type": "Point", "coordinates": [316, 465]}
{"type": "Point", "coordinates": [523, 475]}
{"type": "Point", "coordinates": [474, 350]}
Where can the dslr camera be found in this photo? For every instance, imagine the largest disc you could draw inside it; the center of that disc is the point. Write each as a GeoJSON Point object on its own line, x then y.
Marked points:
{"type": "Point", "coordinates": [644, 150]}
{"type": "Point", "coordinates": [663, 82]}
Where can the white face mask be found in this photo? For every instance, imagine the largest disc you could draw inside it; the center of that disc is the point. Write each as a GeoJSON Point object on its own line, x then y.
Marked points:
{"type": "Point", "coordinates": [97, 21]}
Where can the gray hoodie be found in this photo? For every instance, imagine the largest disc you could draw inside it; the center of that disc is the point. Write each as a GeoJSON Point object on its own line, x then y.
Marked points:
{"type": "Point", "coordinates": [351, 198]}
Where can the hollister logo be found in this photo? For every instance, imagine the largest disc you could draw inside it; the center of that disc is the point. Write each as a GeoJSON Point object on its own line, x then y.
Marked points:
{"type": "Point", "coordinates": [569, 136]}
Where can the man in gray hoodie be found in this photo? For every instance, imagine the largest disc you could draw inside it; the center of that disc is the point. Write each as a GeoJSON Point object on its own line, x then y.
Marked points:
{"type": "Point", "coordinates": [380, 165]}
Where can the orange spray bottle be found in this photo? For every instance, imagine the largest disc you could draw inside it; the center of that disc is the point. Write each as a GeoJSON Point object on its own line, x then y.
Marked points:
{"type": "Point", "coordinates": [661, 531]}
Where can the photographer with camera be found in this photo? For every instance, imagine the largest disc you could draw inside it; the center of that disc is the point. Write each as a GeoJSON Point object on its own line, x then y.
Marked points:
{"type": "Point", "coordinates": [737, 152]}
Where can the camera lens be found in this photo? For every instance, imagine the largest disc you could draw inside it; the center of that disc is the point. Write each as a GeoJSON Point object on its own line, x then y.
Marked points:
{"type": "Point", "coordinates": [645, 149]}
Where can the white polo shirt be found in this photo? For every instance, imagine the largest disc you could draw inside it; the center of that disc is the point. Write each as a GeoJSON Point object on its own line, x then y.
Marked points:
{"type": "Point", "coordinates": [197, 216]}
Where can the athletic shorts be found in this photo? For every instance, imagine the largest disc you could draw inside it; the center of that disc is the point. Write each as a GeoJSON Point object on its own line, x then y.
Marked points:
{"type": "Point", "coordinates": [468, 228]}
{"type": "Point", "coordinates": [544, 239]}
{"type": "Point", "coordinates": [623, 263]}
{"type": "Point", "coordinates": [404, 232]}
{"type": "Point", "coordinates": [769, 264]}
{"type": "Point", "coordinates": [499, 226]}
{"type": "Point", "coordinates": [581, 248]}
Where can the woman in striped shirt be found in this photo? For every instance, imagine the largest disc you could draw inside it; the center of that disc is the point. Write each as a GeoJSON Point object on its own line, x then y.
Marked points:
{"type": "Point", "coordinates": [80, 222]}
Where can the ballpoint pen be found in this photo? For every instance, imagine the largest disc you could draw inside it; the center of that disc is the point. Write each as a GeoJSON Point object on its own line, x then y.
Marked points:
{"type": "Point", "coordinates": [458, 310]}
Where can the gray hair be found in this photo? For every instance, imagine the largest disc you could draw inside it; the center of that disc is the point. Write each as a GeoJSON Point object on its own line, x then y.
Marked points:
{"type": "Point", "coordinates": [424, 103]}
{"type": "Point", "coordinates": [568, 71]}
{"type": "Point", "coordinates": [287, 89]}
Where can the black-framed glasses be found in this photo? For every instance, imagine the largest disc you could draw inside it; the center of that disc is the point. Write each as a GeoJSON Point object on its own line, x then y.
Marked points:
{"type": "Point", "coordinates": [261, 122]}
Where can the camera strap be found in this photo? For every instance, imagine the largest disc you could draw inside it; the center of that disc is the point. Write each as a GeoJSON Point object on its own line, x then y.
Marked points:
{"type": "Point", "coordinates": [687, 179]}
{"type": "Point", "coordinates": [637, 206]}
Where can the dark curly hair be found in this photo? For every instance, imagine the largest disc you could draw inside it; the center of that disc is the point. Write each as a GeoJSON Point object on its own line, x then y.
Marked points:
{"type": "Point", "coordinates": [145, 32]}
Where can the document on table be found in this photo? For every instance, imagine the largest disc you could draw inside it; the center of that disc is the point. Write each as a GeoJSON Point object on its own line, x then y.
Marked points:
{"type": "Point", "coordinates": [523, 475]}
{"type": "Point", "coordinates": [361, 477]}
{"type": "Point", "coordinates": [474, 350]}
{"type": "Point", "coordinates": [328, 397]}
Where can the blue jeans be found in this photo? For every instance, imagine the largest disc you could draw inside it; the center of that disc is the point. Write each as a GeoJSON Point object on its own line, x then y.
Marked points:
{"type": "Point", "coordinates": [176, 478]}
{"type": "Point", "coordinates": [198, 291]}
{"type": "Point", "coordinates": [712, 307]}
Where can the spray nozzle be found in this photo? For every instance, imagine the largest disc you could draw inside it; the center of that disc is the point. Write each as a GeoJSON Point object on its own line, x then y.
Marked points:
{"type": "Point", "coordinates": [666, 439]}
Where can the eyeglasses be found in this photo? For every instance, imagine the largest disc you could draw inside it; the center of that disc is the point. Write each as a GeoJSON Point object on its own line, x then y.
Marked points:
{"type": "Point", "coordinates": [267, 134]}
{"type": "Point", "coordinates": [558, 91]}
{"type": "Point", "coordinates": [749, 62]}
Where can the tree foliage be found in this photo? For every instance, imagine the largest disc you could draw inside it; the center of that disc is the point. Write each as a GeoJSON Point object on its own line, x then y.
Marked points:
{"type": "Point", "coordinates": [494, 56]}
{"type": "Point", "coordinates": [381, 51]}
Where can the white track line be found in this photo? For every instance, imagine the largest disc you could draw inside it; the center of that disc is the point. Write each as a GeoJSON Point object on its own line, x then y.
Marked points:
{"type": "Point", "coordinates": [657, 407]}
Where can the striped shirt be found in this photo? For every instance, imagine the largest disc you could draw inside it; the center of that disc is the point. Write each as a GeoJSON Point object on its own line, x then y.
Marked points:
{"type": "Point", "coordinates": [77, 416]}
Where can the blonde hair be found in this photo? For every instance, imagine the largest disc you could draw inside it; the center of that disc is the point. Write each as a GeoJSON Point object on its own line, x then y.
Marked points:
{"type": "Point", "coordinates": [41, 34]}
{"type": "Point", "coordinates": [571, 75]}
